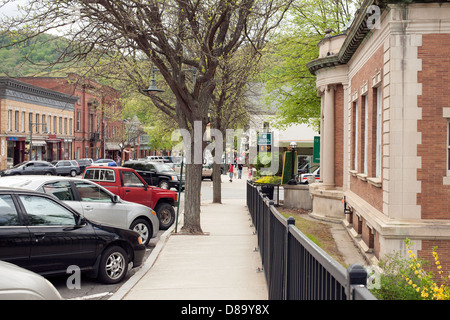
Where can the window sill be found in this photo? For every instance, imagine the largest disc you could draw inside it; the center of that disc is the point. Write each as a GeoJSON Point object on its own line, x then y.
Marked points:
{"type": "Point", "coordinates": [446, 181]}
{"type": "Point", "coordinates": [362, 176]}
{"type": "Point", "coordinates": [353, 172]}
{"type": "Point", "coordinates": [376, 182]}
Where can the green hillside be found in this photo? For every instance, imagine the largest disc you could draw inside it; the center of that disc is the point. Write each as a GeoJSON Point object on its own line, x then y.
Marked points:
{"type": "Point", "coordinates": [30, 57]}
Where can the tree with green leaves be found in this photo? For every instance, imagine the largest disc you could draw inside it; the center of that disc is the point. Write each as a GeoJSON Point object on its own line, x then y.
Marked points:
{"type": "Point", "coordinates": [173, 36]}
{"type": "Point", "coordinates": [288, 81]}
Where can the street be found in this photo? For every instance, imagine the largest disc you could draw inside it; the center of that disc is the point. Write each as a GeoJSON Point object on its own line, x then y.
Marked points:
{"type": "Point", "coordinates": [91, 289]}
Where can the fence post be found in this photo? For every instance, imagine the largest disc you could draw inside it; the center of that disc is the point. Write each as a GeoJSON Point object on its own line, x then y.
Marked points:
{"type": "Point", "coordinates": [290, 221]}
{"type": "Point", "coordinates": [356, 275]}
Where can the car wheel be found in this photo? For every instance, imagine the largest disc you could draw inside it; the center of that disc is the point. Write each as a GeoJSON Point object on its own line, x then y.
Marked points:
{"type": "Point", "coordinates": [73, 173]}
{"type": "Point", "coordinates": [113, 265]}
{"type": "Point", "coordinates": [144, 229]}
{"type": "Point", "coordinates": [164, 184]}
{"type": "Point", "coordinates": [166, 215]}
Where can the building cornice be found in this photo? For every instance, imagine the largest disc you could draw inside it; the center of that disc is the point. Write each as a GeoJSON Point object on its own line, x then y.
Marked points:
{"type": "Point", "coordinates": [13, 89]}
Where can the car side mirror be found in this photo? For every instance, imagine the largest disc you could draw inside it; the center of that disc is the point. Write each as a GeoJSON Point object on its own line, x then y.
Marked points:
{"type": "Point", "coordinates": [145, 186]}
{"type": "Point", "coordinates": [116, 199]}
{"type": "Point", "coordinates": [81, 221]}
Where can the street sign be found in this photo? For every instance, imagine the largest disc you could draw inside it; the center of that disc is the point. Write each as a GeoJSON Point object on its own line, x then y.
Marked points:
{"type": "Point", "coordinates": [265, 139]}
{"type": "Point", "coordinates": [316, 150]}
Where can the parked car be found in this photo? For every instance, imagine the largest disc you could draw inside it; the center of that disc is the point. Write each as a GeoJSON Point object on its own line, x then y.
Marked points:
{"type": "Point", "coordinates": [83, 163]}
{"type": "Point", "coordinates": [33, 167]}
{"type": "Point", "coordinates": [155, 159]}
{"type": "Point", "coordinates": [130, 186]}
{"type": "Point", "coordinates": [207, 171]}
{"type": "Point", "coordinates": [93, 201]}
{"type": "Point", "coordinates": [67, 167]}
{"type": "Point", "coordinates": [17, 283]}
{"type": "Point", "coordinates": [105, 162]}
{"type": "Point", "coordinates": [156, 173]}
{"type": "Point", "coordinates": [42, 234]}
{"type": "Point", "coordinates": [303, 178]}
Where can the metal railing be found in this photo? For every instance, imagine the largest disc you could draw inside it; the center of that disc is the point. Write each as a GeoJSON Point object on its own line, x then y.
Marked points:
{"type": "Point", "coordinates": [295, 267]}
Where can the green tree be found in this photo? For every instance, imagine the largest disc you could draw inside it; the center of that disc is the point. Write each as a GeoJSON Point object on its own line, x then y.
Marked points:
{"type": "Point", "coordinates": [289, 83]}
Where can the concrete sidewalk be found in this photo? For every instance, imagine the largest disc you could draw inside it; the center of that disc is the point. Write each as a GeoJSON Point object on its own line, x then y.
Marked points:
{"type": "Point", "coordinates": [220, 265]}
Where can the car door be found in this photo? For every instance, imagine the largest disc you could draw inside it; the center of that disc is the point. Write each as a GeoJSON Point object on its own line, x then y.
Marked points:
{"type": "Point", "coordinates": [63, 190]}
{"type": "Point", "coordinates": [58, 240]}
{"type": "Point", "coordinates": [15, 238]}
{"type": "Point", "coordinates": [98, 205]}
{"type": "Point", "coordinates": [134, 189]}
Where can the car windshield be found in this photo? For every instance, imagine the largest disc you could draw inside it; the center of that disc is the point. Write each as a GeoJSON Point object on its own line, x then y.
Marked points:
{"type": "Point", "coordinates": [20, 164]}
{"type": "Point", "coordinates": [163, 167]}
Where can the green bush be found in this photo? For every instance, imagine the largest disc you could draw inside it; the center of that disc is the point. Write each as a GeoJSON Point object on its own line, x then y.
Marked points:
{"type": "Point", "coordinates": [269, 180]}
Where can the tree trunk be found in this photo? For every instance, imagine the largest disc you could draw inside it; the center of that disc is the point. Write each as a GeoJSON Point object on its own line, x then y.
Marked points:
{"type": "Point", "coordinates": [192, 199]}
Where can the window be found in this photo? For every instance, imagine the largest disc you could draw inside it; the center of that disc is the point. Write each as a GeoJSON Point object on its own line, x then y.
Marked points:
{"type": "Point", "coordinates": [23, 121]}
{"type": "Point", "coordinates": [355, 135]}
{"type": "Point", "coordinates": [44, 212]}
{"type": "Point", "coordinates": [9, 120]}
{"type": "Point", "coordinates": [60, 125]}
{"type": "Point", "coordinates": [65, 125]}
{"type": "Point", "coordinates": [54, 124]}
{"type": "Point", "coordinates": [448, 149]}
{"type": "Point", "coordinates": [30, 122]}
{"type": "Point", "coordinates": [61, 190]}
{"type": "Point", "coordinates": [378, 153]}
{"type": "Point", "coordinates": [44, 125]}
{"type": "Point", "coordinates": [90, 192]}
{"type": "Point", "coordinates": [78, 120]}
{"type": "Point", "coordinates": [366, 131]}
{"type": "Point", "coordinates": [16, 121]}
{"type": "Point", "coordinates": [37, 123]}
{"type": "Point", "coordinates": [100, 175]}
{"type": "Point", "coordinates": [131, 180]}
{"type": "Point", "coordinates": [8, 213]}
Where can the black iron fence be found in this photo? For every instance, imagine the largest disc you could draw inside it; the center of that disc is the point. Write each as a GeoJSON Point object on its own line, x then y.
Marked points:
{"type": "Point", "coordinates": [295, 267]}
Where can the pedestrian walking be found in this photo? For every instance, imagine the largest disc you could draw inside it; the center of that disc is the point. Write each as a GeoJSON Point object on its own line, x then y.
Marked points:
{"type": "Point", "coordinates": [240, 170]}
{"type": "Point", "coordinates": [230, 170]}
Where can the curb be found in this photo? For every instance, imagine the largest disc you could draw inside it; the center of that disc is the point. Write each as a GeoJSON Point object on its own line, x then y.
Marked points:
{"type": "Point", "coordinates": [131, 282]}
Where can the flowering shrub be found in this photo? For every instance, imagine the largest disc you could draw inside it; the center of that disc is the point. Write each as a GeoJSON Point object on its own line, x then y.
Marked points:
{"type": "Point", "coordinates": [424, 282]}
{"type": "Point", "coordinates": [406, 279]}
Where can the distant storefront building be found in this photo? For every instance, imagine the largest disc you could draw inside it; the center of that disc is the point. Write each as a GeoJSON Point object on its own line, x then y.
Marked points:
{"type": "Point", "coordinates": [35, 123]}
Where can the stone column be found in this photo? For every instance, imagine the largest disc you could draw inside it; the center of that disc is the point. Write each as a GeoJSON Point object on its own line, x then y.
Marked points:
{"type": "Point", "coordinates": [327, 169]}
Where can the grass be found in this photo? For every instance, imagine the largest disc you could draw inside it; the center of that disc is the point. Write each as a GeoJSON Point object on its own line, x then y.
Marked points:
{"type": "Point", "coordinates": [316, 231]}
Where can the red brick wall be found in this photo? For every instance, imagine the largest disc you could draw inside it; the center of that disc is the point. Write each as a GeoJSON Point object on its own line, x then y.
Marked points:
{"type": "Point", "coordinates": [435, 79]}
{"type": "Point", "coordinates": [371, 194]}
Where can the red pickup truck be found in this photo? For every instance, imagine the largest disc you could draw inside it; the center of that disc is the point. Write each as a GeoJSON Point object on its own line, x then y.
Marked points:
{"type": "Point", "coordinates": [129, 186]}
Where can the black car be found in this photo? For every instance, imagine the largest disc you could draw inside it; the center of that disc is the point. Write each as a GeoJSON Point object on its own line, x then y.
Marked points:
{"type": "Point", "coordinates": [156, 173]}
{"type": "Point", "coordinates": [40, 233]}
{"type": "Point", "coordinates": [30, 167]}
{"type": "Point", "coordinates": [83, 163]}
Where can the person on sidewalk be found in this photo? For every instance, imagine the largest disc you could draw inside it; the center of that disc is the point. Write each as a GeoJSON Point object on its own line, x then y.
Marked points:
{"type": "Point", "coordinates": [230, 170]}
{"type": "Point", "coordinates": [240, 170]}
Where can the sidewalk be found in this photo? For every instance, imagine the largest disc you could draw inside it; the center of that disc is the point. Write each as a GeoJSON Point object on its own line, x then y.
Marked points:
{"type": "Point", "coordinates": [220, 265]}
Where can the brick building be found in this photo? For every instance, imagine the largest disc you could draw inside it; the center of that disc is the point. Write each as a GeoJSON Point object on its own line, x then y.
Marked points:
{"type": "Point", "coordinates": [35, 123]}
{"type": "Point", "coordinates": [98, 126]}
{"type": "Point", "coordinates": [385, 88]}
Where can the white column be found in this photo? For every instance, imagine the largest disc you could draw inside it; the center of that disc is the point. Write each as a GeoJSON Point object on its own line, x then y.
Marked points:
{"type": "Point", "coordinates": [327, 159]}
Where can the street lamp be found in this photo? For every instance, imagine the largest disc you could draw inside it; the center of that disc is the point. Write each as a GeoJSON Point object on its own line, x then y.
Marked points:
{"type": "Point", "coordinates": [153, 87]}
{"type": "Point", "coordinates": [293, 146]}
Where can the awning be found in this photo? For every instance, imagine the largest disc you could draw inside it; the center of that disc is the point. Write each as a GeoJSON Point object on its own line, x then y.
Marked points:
{"type": "Point", "coordinates": [111, 146]}
{"type": "Point", "coordinates": [38, 143]}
